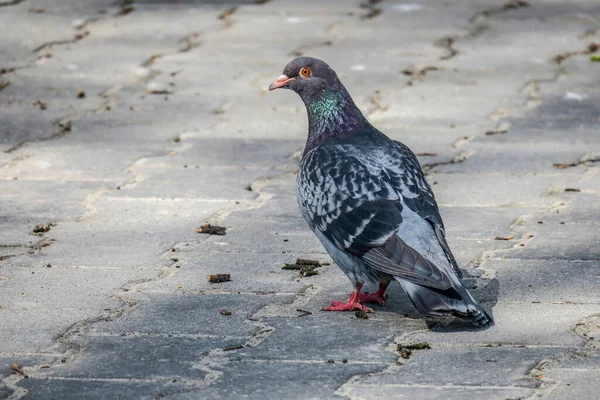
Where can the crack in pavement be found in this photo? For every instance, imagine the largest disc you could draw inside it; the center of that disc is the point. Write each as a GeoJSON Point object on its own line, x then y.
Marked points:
{"type": "Point", "coordinates": [590, 347]}
{"type": "Point", "coordinates": [417, 74]}
{"type": "Point", "coordinates": [459, 158]}
{"type": "Point", "coordinates": [300, 51]}
{"type": "Point", "coordinates": [591, 48]}
{"type": "Point", "coordinates": [507, 6]}
{"type": "Point", "coordinates": [76, 38]}
{"type": "Point", "coordinates": [447, 43]}
{"type": "Point", "coordinates": [586, 160]}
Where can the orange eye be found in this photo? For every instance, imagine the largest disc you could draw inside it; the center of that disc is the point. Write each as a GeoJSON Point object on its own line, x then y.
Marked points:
{"type": "Point", "coordinates": [305, 72]}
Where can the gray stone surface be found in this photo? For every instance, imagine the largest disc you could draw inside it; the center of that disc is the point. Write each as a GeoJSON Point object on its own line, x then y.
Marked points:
{"type": "Point", "coordinates": [125, 309]}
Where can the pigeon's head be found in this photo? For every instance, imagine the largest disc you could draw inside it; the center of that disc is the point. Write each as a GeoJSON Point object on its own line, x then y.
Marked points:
{"type": "Point", "coordinates": [306, 76]}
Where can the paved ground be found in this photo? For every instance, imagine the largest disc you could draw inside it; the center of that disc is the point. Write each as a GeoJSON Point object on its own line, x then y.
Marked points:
{"type": "Point", "coordinates": [500, 100]}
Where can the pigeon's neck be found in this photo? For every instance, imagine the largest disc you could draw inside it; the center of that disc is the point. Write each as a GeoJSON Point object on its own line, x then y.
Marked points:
{"type": "Point", "coordinates": [332, 116]}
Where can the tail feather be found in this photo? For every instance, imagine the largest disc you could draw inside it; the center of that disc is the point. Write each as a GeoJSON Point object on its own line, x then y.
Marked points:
{"type": "Point", "coordinates": [457, 302]}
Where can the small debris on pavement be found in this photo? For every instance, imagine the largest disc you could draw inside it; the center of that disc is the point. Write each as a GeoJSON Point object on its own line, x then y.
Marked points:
{"type": "Point", "coordinates": [572, 190]}
{"type": "Point", "coordinates": [211, 229]}
{"type": "Point", "coordinates": [492, 360]}
{"type": "Point", "coordinates": [415, 346]}
{"type": "Point", "coordinates": [48, 266]}
{"type": "Point", "coordinates": [510, 237]}
{"type": "Point", "coordinates": [125, 10]}
{"type": "Point", "coordinates": [80, 94]}
{"type": "Point", "coordinates": [361, 314]}
{"type": "Point", "coordinates": [595, 57]}
{"type": "Point", "coordinates": [304, 313]}
{"type": "Point", "coordinates": [17, 369]}
{"type": "Point", "coordinates": [218, 278]}
{"type": "Point", "coordinates": [496, 132]}
{"type": "Point", "coordinates": [40, 104]}
{"type": "Point", "coordinates": [40, 228]}
{"type": "Point", "coordinates": [241, 346]}
{"type": "Point", "coordinates": [301, 263]}
{"type": "Point", "coordinates": [304, 267]}
{"type": "Point", "coordinates": [512, 4]}
{"type": "Point", "coordinates": [563, 166]}
{"type": "Point", "coordinates": [330, 361]}
{"type": "Point", "coordinates": [305, 261]}
{"type": "Point", "coordinates": [156, 87]}
{"type": "Point", "coordinates": [373, 11]}
{"type": "Point", "coordinates": [4, 84]}
{"type": "Point", "coordinates": [406, 350]}
{"type": "Point", "coordinates": [227, 13]}
{"type": "Point", "coordinates": [79, 36]}
{"type": "Point", "coordinates": [225, 312]}
{"type": "Point", "coordinates": [405, 353]}
{"type": "Point", "coordinates": [427, 154]}
{"type": "Point", "coordinates": [345, 361]}
{"type": "Point", "coordinates": [308, 270]}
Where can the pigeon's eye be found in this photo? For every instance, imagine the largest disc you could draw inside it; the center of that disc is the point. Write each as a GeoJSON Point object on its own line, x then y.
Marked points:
{"type": "Point", "coordinates": [305, 72]}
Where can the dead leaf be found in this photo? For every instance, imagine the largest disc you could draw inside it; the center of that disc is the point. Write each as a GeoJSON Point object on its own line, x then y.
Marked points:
{"type": "Point", "coordinates": [211, 229]}
{"type": "Point", "coordinates": [17, 369]}
{"type": "Point", "coordinates": [218, 278]}
{"type": "Point", "coordinates": [510, 237]}
{"type": "Point", "coordinates": [227, 13]}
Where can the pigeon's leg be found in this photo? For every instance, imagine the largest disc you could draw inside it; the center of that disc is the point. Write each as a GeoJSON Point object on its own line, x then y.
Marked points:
{"type": "Point", "coordinates": [351, 305]}
{"type": "Point", "coordinates": [376, 297]}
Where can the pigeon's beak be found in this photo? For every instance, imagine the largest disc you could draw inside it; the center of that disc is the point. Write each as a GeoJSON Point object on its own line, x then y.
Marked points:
{"type": "Point", "coordinates": [280, 82]}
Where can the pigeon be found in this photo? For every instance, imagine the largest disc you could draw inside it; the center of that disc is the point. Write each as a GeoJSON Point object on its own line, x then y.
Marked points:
{"type": "Point", "coordinates": [366, 199]}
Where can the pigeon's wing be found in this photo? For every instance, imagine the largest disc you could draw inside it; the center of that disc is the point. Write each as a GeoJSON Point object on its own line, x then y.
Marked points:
{"type": "Point", "coordinates": [356, 205]}
{"type": "Point", "coordinates": [421, 199]}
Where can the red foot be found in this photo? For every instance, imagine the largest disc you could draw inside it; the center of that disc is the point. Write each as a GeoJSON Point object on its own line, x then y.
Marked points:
{"type": "Point", "coordinates": [374, 297]}
{"type": "Point", "coordinates": [349, 306]}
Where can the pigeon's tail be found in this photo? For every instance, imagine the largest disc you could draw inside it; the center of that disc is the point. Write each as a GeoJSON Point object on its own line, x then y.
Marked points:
{"type": "Point", "coordinates": [456, 301]}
